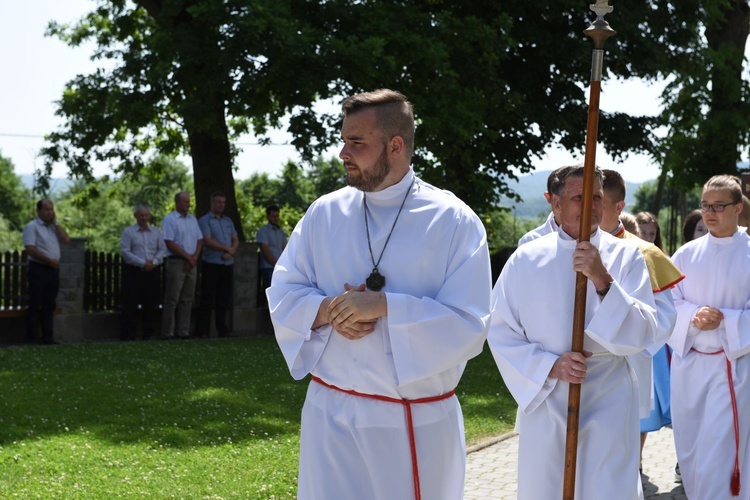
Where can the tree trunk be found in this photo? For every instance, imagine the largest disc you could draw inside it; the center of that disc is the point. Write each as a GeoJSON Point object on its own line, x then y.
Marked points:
{"type": "Point", "coordinates": [726, 38]}
{"type": "Point", "coordinates": [203, 111]}
{"type": "Point", "coordinates": [212, 166]}
{"type": "Point", "coordinates": [659, 192]}
{"type": "Point", "coordinates": [457, 180]}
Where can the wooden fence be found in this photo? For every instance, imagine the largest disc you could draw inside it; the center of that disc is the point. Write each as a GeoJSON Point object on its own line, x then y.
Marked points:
{"type": "Point", "coordinates": [102, 279]}
{"type": "Point", "coordinates": [13, 283]}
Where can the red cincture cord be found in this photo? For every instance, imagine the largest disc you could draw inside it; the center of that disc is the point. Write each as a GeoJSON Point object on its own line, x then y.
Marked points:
{"type": "Point", "coordinates": [734, 485]}
{"type": "Point", "coordinates": [406, 403]}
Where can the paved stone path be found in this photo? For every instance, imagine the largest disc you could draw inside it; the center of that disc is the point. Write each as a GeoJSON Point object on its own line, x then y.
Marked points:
{"type": "Point", "coordinates": [491, 471]}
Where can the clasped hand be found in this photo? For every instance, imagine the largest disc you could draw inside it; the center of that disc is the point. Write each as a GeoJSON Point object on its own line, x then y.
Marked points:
{"type": "Point", "coordinates": [707, 318]}
{"type": "Point", "coordinates": [354, 313]}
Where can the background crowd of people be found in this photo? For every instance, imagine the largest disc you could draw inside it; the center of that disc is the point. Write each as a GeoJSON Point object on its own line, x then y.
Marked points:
{"type": "Point", "coordinates": [183, 246]}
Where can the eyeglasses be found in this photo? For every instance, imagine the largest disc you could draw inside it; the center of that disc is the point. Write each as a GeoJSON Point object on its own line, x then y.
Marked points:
{"type": "Point", "coordinates": [716, 207]}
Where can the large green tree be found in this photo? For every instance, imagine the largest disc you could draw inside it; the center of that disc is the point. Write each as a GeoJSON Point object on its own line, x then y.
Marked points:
{"type": "Point", "coordinates": [707, 102]}
{"type": "Point", "coordinates": [185, 75]}
{"type": "Point", "coordinates": [296, 187]}
{"type": "Point", "coordinates": [493, 83]}
{"type": "Point", "coordinates": [16, 203]}
{"type": "Point", "coordinates": [10, 240]}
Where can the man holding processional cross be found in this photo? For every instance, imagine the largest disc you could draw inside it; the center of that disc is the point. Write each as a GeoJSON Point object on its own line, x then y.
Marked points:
{"type": "Point", "coordinates": [530, 340]}
{"type": "Point", "coordinates": [578, 440]}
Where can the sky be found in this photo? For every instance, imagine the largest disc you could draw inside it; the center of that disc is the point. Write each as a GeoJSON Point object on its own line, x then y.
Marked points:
{"type": "Point", "coordinates": [36, 69]}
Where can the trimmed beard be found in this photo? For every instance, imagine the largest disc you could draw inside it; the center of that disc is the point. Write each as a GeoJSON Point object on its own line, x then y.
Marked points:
{"type": "Point", "coordinates": [370, 179]}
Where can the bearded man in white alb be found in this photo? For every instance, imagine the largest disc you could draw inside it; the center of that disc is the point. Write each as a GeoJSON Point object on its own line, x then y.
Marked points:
{"type": "Point", "coordinates": [380, 419]}
{"type": "Point", "coordinates": [530, 337]}
{"type": "Point", "coordinates": [711, 340]}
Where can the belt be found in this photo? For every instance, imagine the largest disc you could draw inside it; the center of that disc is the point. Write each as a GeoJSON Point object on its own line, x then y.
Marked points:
{"type": "Point", "coordinates": [138, 268]}
{"type": "Point", "coordinates": [602, 354]}
{"type": "Point", "coordinates": [42, 264]}
{"type": "Point", "coordinates": [734, 484]}
{"type": "Point", "coordinates": [406, 403]}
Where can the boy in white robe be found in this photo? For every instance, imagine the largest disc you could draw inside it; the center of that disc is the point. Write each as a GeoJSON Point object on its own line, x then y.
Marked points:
{"type": "Point", "coordinates": [710, 366]}
{"type": "Point", "coordinates": [530, 337]}
{"type": "Point", "coordinates": [372, 352]}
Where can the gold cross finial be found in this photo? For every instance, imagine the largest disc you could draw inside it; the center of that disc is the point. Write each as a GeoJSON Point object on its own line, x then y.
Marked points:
{"type": "Point", "coordinates": [601, 7]}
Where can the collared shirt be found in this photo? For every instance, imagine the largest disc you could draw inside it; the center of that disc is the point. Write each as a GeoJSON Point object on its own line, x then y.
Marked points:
{"type": "Point", "coordinates": [138, 245]}
{"type": "Point", "coordinates": [220, 229]}
{"type": "Point", "coordinates": [275, 238]}
{"type": "Point", "coordinates": [42, 236]}
{"type": "Point", "coordinates": [183, 230]}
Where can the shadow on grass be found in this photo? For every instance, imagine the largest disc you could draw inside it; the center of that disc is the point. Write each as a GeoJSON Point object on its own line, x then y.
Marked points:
{"type": "Point", "coordinates": [175, 394]}
{"type": "Point", "coordinates": [186, 394]}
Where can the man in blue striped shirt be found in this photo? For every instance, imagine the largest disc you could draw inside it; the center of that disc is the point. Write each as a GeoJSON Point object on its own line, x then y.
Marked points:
{"type": "Point", "coordinates": [220, 245]}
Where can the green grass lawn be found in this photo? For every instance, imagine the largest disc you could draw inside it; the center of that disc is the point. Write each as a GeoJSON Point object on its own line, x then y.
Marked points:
{"type": "Point", "coordinates": [199, 419]}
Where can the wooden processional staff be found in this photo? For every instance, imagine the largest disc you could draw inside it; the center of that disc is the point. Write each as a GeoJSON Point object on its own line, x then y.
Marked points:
{"type": "Point", "coordinates": [599, 31]}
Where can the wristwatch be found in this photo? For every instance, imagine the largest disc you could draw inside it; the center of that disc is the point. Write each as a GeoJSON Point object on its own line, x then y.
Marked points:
{"type": "Point", "coordinates": [603, 291]}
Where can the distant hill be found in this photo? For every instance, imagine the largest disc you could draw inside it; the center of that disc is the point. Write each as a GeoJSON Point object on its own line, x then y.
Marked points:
{"type": "Point", "coordinates": [531, 189]}
{"type": "Point", "coordinates": [56, 184]}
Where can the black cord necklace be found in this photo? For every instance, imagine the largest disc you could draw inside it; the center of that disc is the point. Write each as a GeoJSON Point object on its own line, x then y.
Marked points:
{"type": "Point", "coordinates": [376, 281]}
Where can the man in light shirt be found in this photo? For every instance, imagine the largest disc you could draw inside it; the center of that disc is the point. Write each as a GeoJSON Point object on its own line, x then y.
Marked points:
{"type": "Point", "coordinates": [42, 238]}
{"type": "Point", "coordinates": [143, 251]}
{"type": "Point", "coordinates": [272, 240]}
{"type": "Point", "coordinates": [184, 241]}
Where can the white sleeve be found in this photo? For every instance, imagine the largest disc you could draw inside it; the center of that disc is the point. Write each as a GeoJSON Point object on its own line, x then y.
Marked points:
{"type": "Point", "coordinates": [293, 301]}
{"type": "Point", "coordinates": [429, 335]}
{"type": "Point", "coordinates": [625, 321]}
{"type": "Point", "coordinates": [524, 365]}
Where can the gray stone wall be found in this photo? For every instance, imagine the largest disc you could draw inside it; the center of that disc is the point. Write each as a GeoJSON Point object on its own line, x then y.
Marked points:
{"type": "Point", "coordinates": [245, 313]}
{"type": "Point", "coordinates": [70, 321]}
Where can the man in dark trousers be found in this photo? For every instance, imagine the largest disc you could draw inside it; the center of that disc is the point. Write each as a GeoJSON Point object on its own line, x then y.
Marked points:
{"type": "Point", "coordinates": [42, 238]}
{"type": "Point", "coordinates": [220, 244]}
{"type": "Point", "coordinates": [143, 249]}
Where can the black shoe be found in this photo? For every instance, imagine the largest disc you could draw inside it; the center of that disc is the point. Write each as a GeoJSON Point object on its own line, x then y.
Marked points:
{"type": "Point", "coordinates": [227, 335]}
{"type": "Point", "coordinates": [50, 342]}
{"type": "Point", "coordinates": [677, 475]}
{"type": "Point", "coordinates": [184, 337]}
{"type": "Point", "coordinates": [168, 337]}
